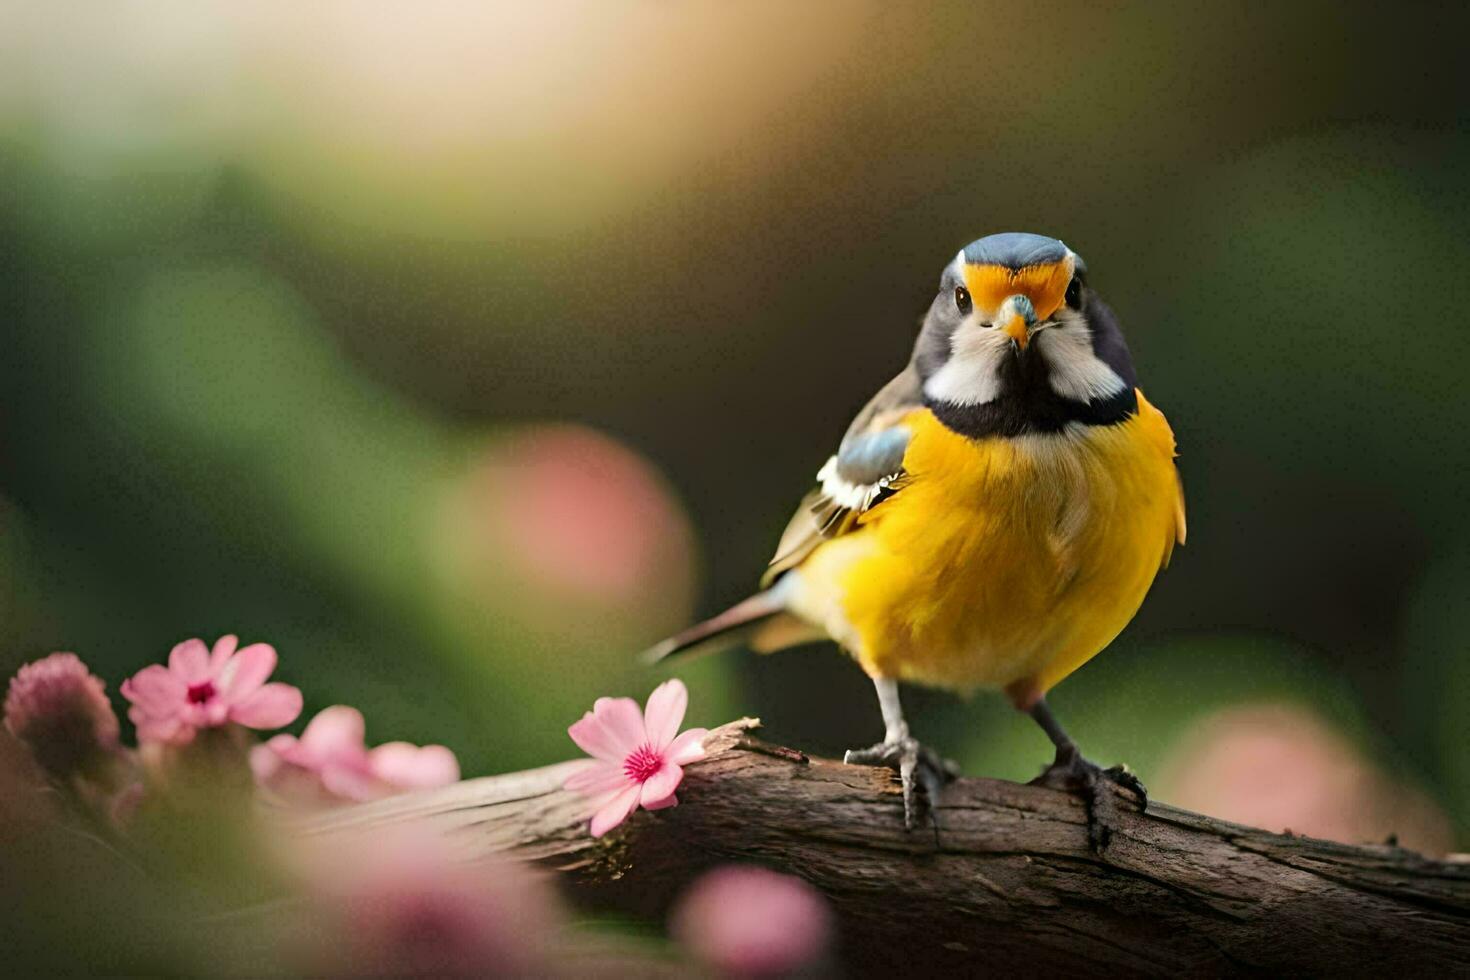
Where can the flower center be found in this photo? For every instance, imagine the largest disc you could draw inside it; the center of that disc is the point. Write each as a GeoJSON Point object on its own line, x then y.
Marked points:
{"type": "Point", "coordinates": [642, 763]}
{"type": "Point", "coordinates": [201, 693]}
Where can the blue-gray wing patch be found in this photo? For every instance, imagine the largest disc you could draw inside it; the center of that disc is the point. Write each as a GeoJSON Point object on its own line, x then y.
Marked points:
{"type": "Point", "coordinates": [867, 469]}
{"type": "Point", "coordinates": [864, 467]}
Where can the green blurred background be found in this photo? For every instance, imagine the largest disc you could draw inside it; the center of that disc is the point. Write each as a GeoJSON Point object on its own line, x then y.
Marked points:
{"type": "Point", "coordinates": [462, 351]}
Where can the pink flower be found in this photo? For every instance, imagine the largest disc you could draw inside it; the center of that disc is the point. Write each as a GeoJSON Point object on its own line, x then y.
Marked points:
{"type": "Point", "coordinates": [636, 757]}
{"type": "Point", "coordinates": [58, 708]}
{"type": "Point", "coordinates": [330, 762]}
{"type": "Point", "coordinates": [201, 688]}
{"type": "Point", "coordinates": [750, 922]}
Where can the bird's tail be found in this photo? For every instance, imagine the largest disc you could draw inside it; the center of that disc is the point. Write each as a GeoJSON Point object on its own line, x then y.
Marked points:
{"type": "Point", "coordinates": [760, 622]}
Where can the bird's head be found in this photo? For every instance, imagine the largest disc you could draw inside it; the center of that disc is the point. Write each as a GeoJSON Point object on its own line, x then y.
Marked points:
{"type": "Point", "coordinates": [1015, 341]}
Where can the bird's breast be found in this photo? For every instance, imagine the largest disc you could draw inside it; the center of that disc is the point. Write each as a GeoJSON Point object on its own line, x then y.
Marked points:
{"type": "Point", "coordinates": [1003, 559]}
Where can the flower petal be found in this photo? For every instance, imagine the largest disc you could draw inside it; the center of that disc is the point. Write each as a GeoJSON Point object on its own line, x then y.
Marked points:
{"type": "Point", "coordinates": [286, 746]}
{"type": "Point", "coordinates": [615, 811]}
{"type": "Point", "coordinates": [265, 760]}
{"type": "Point", "coordinates": [353, 784]}
{"type": "Point", "coordinates": [270, 707]}
{"type": "Point", "coordinates": [413, 767]}
{"type": "Point", "coordinates": [665, 713]}
{"type": "Point", "coordinates": [661, 785]}
{"type": "Point", "coordinates": [169, 729]}
{"type": "Point", "coordinates": [155, 689]}
{"type": "Point", "coordinates": [336, 733]}
{"type": "Point", "coordinates": [189, 661]}
{"type": "Point", "coordinates": [224, 649]}
{"type": "Point", "coordinates": [597, 777]}
{"type": "Point", "coordinates": [663, 804]}
{"type": "Point", "coordinates": [247, 670]}
{"type": "Point", "coordinates": [592, 737]}
{"type": "Point", "coordinates": [687, 748]}
{"type": "Point", "coordinates": [622, 721]}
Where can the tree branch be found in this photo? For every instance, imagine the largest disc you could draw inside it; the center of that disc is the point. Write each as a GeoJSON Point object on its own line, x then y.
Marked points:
{"type": "Point", "coordinates": [1010, 883]}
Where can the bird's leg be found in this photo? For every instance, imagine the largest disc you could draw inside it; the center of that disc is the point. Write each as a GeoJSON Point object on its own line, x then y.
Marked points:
{"type": "Point", "coordinates": [1075, 774]}
{"type": "Point", "coordinates": [900, 750]}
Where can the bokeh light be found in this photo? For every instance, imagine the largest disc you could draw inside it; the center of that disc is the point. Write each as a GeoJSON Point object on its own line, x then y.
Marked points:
{"type": "Point", "coordinates": [1282, 768]}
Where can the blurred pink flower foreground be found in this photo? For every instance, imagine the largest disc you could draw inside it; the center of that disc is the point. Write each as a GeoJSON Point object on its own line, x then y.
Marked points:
{"type": "Point", "coordinates": [636, 757]}
{"type": "Point", "coordinates": [750, 922]}
{"type": "Point", "coordinates": [331, 762]}
{"type": "Point", "coordinates": [203, 688]}
{"type": "Point", "coordinates": [406, 904]}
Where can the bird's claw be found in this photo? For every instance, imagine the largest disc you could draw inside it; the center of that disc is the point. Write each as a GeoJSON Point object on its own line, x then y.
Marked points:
{"type": "Point", "coordinates": [916, 764]}
{"type": "Point", "coordinates": [1093, 783]}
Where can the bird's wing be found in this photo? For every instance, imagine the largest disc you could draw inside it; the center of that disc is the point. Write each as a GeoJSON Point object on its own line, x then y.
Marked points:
{"type": "Point", "coordinates": [866, 470]}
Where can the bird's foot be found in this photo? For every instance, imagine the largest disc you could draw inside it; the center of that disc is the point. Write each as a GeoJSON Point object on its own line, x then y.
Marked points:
{"type": "Point", "coordinates": [916, 764]}
{"type": "Point", "coordinates": [1073, 773]}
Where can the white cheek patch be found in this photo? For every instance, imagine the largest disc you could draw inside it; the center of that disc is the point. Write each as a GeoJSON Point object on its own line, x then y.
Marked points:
{"type": "Point", "coordinates": [971, 376]}
{"type": "Point", "coordinates": [1076, 373]}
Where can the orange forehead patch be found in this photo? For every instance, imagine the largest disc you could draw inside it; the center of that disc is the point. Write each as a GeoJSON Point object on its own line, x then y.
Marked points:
{"type": "Point", "coordinates": [1044, 285]}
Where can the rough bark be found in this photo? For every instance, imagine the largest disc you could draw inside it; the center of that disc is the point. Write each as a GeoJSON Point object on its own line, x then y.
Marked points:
{"type": "Point", "coordinates": [1009, 883]}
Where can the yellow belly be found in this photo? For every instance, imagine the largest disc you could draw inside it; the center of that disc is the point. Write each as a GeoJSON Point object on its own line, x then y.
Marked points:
{"type": "Point", "coordinates": [1002, 563]}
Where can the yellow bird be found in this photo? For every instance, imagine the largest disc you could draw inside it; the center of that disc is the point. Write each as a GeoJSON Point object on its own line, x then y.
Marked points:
{"type": "Point", "coordinates": [993, 517]}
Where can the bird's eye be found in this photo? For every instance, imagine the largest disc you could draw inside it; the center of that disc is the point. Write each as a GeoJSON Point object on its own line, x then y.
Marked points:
{"type": "Point", "coordinates": [1074, 293]}
{"type": "Point", "coordinates": [962, 300]}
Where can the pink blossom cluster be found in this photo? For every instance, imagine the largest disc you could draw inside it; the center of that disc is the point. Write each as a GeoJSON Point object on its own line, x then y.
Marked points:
{"type": "Point", "coordinates": [61, 712]}
{"type": "Point", "coordinates": [398, 902]}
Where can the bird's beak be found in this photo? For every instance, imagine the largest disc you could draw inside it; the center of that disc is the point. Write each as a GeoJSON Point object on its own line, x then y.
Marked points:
{"type": "Point", "coordinates": [1017, 317]}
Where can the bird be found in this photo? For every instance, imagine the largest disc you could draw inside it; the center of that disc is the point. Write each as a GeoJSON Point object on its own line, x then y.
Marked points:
{"type": "Point", "coordinates": [991, 520]}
